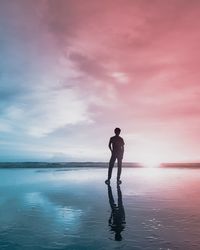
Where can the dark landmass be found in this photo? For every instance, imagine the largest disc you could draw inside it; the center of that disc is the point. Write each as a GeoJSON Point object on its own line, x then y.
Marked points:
{"type": "Point", "coordinates": [88, 164]}
{"type": "Point", "coordinates": [63, 165]}
{"type": "Point", "coordinates": [180, 165]}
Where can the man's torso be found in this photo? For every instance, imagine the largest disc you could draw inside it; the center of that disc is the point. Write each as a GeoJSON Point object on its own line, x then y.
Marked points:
{"type": "Point", "coordinates": [117, 144]}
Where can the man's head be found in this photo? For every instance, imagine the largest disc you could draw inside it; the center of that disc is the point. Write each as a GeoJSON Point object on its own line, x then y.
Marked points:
{"type": "Point", "coordinates": [117, 131]}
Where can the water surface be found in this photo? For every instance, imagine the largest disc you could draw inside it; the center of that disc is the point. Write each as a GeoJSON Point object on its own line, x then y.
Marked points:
{"type": "Point", "coordinates": [70, 209]}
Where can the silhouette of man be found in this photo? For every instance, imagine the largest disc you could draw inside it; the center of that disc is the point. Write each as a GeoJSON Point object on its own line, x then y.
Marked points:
{"type": "Point", "coordinates": [116, 145]}
{"type": "Point", "coordinates": [117, 218]}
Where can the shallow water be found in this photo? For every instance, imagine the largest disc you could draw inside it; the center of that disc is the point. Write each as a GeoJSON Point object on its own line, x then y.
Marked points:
{"type": "Point", "coordinates": [70, 209]}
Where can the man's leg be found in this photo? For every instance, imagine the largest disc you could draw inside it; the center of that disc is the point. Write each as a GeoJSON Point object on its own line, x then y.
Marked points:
{"type": "Point", "coordinates": [111, 165]}
{"type": "Point", "coordinates": [119, 170]}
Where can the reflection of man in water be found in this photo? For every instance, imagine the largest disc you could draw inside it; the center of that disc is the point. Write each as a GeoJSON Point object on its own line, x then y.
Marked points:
{"type": "Point", "coordinates": [117, 218]}
{"type": "Point", "coordinates": [116, 145]}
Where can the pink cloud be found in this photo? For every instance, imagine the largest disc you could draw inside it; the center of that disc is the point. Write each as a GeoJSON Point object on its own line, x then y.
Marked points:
{"type": "Point", "coordinates": [135, 63]}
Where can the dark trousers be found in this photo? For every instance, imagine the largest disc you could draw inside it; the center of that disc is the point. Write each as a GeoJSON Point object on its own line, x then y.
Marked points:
{"type": "Point", "coordinates": [112, 163]}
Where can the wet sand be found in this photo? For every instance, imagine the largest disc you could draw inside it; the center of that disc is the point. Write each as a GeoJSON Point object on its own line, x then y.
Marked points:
{"type": "Point", "coordinates": [71, 208]}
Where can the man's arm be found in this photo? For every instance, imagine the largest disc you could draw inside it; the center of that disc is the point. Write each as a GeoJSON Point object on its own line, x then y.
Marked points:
{"type": "Point", "coordinates": [122, 151]}
{"type": "Point", "coordinates": [110, 145]}
{"type": "Point", "coordinates": [122, 147]}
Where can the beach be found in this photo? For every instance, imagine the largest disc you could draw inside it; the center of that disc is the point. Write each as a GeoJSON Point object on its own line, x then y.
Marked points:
{"type": "Point", "coordinates": [70, 208]}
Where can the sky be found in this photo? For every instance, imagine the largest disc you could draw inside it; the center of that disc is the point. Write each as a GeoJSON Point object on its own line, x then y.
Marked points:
{"type": "Point", "coordinates": [73, 70]}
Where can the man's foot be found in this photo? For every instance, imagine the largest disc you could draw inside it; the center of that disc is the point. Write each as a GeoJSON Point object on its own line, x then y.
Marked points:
{"type": "Point", "coordinates": [119, 182]}
{"type": "Point", "coordinates": [107, 181]}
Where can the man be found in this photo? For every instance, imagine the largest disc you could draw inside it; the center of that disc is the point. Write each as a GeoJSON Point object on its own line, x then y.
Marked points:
{"type": "Point", "coordinates": [116, 145]}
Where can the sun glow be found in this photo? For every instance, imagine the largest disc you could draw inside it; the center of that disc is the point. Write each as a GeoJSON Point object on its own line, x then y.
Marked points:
{"type": "Point", "coordinates": [151, 163]}
{"type": "Point", "coordinates": [148, 155]}
{"type": "Point", "coordinates": [148, 160]}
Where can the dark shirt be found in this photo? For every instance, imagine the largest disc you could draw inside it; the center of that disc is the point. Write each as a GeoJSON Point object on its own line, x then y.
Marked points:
{"type": "Point", "coordinates": [117, 144]}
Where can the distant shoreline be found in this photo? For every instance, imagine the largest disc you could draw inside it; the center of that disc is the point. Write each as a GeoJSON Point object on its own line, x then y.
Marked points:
{"type": "Point", "coordinates": [89, 165]}
{"type": "Point", "coordinates": [63, 165]}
